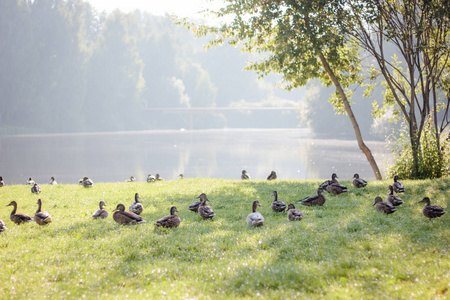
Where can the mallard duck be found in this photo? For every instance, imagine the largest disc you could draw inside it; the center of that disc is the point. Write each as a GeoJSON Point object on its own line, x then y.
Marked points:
{"type": "Point", "coordinates": [181, 176]}
{"type": "Point", "coordinates": [150, 178]}
{"type": "Point", "coordinates": [1, 181]}
{"type": "Point", "coordinates": [53, 181]}
{"type": "Point", "coordinates": [245, 175]}
{"type": "Point", "coordinates": [431, 211]}
{"type": "Point", "coordinates": [318, 199]}
{"type": "Point", "coordinates": [194, 206]}
{"type": "Point", "coordinates": [277, 206]}
{"type": "Point", "coordinates": [326, 183]}
{"type": "Point", "coordinates": [87, 183]}
{"type": "Point", "coordinates": [2, 226]}
{"type": "Point", "coordinates": [36, 189]}
{"type": "Point", "coordinates": [384, 207]}
{"type": "Point", "coordinates": [100, 213]}
{"type": "Point", "coordinates": [126, 217]}
{"type": "Point", "coordinates": [336, 188]}
{"type": "Point", "coordinates": [398, 186]}
{"type": "Point", "coordinates": [18, 218]}
{"type": "Point", "coordinates": [272, 176]}
{"type": "Point", "coordinates": [255, 218]}
{"type": "Point", "coordinates": [30, 181]}
{"type": "Point", "coordinates": [205, 211]}
{"type": "Point", "coordinates": [41, 217]}
{"type": "Point", "coordinates": [393, 199]}
{"type": "Point", "coordinates": [169, 221]}
{"type": "Point", "coordinates": [136, 206]}
{"type": "Point", "coordinates": [358, 182]}
{"type": "Point", "coordinates": [132, 179]}
{"type": "Point", "coordinates": [294, 214]}
{"type": "Point", "coordinates": [158, 177]}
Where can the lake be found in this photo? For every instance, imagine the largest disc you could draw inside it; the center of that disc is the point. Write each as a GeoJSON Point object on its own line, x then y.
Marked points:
{"type": "Point", "coordinates": [217, 153]}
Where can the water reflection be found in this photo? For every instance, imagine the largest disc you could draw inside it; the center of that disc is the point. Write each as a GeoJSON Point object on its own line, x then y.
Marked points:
{"type": "Point", "coordinates": [111, 157]}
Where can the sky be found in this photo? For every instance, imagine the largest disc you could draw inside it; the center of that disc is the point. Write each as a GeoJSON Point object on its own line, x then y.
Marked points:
{"type": "Point", "coordinates": [181, 8]}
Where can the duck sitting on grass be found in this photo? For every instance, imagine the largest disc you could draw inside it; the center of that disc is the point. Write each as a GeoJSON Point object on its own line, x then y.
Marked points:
{"type": "Point", "coordinates": [294, 214]}
{"type": "Point", "coordinates": [41, 217]}
{"type": "Point", "coordinates": [36, 189]}
{"type": "Point", "coordinates": [18, 218]}
{"type": "Point", "coordinates": [254, 218]}
{"type": "Point", "coordinates": [100, 213]}
{"type": "Point", "coordinates": [205, 211]}
{"type": "Point", "coordinates": [272, 176]}
{"type": "Point", "coordinates": [318, 199]}
{"type": "Point", "coordinates": [126, 217]}
{"type": "Point", "coordinates": [393, 199]}
{"type": "Point", "coordinates": [397, 185]}
{"type": "Point", "coordinates": [169, 221]}
{"type": "Point", "coordinates": [358, 182]}
{"type": "Point", "coordinates": [136, 207]}
{"type": "Point", "coordinates": [431, 211]}
{"type": "Point", "coordinates": [384, 207]}
{"type": "Point", "coordinates": [277, 205]}
{"type": "Point", "coordinates": [245, 175]}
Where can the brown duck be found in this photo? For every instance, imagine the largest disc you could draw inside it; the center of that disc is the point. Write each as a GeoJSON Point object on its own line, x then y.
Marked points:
{"type": "Point", "coordinates": [431, 211]}
{"type": "Point", "coordinates": [169, 221]}
{"type": "Point", "coordinates": [36, 189]}
{"type": "Point", "coordinates": [126, 217]}
{"type": "Point", "coordinates": [398, 186]}
{"type": "Point", "coordinates": [277, 205]}
{"type": "Point", "coordinates": [318, 199]}
{"type": "Point", "coordinates": [205, 211]}
{"type": "Point", "coordinates": [272, 176]}
{"type": "Point", "coordinates": [245, 175]}
{"type": "Point", "coordinates": [384, 207]}
{"type": "Point", "coordinates": [136, 207]}
{"type": "Point", "coordinates": [194, 206]}
{"type": "Point", "coordinates": [294, 214]}
{"type": "Point", "coordinates": [393, 199]}
{"type": "Point", "coordinates": [18, 218]}
{"type": "Point", "coordinates": [100, 213]}
{"type": "Point", "coordinates": [41, 217]}
{"type": "Point", "coordinates": [255, 218]}
{"type": "Point", "coordinates": [358, 182]}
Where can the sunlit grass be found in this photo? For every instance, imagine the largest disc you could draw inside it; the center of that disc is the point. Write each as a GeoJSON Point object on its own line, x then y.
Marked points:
{"type": "Point", "coordinates": [342, 250]}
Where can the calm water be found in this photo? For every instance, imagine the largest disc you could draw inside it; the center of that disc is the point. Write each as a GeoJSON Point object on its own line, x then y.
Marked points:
{"type": "Point", "coordinates": [112, 157]}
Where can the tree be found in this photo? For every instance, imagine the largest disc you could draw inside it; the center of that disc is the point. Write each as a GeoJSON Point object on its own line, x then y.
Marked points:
{"type": "Point", "coordinates": [301, 40]}
{"type": "Point", "coordinates": [416, 80]}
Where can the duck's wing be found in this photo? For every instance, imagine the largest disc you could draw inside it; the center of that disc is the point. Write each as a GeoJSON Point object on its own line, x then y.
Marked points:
{"type": "Point", "coordinates": [194, 206]}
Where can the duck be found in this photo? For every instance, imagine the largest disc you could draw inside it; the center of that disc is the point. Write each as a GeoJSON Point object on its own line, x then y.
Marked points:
{"type": "Point", "coordinates": [150, 178]}
{"type": "Point", "coordinates": [398, 186]}
{"type": "Point", "coordinates": [254, 218]}
{"type": "Point", "coordinates": [181, 176]}
{"type": "Point", "coordinates": [136, 207]}
{"type": "Point", "coordinates": [169, 221]}
{"type": "Point", "coordinates": [358, 182]}
{"type": "Point", "coordinates": [245, 175]}
{"type": "Point", "coordinates": [36, 189]}
{"type": "Point", "coordinates": [272, 176]}
{"type": "Point", "coordinates": [277, 205]}
{"type": "Point", "coordinates": [41, 217]}
{"type": "Point", "coordinates": [126, 217]}
{"type": "Point", "coordinates": [87, 183]}
{"type": "Point", "coordinates": [204, 210]}
{"type": "Point", "coordinates": [53, 181]}
{"type": "Point", "coordinates": [30, 181]}
{"type": "Point", "coordinates": [393, 199]}
{"type": "Point", "coordinates": [336, 188]}
{"type": "Point", "coordinates": [326, 183]}
{"type": "Point", "coordinates": [318, 199]}
{"type": "Point", "coordinates": [18, 218]}
{"type": "Point", "coordinates": [194, 206]}
{"type": "Point", "coordinates": [383, 207]}
{"type": "Point", "coordinates": [158, 178]}
{"type": "Point", "coordinates": [131, 179]}
{"type": "Point", "coordinates": [431, 211]}
{"type": "Point", "coordinates": [2, 226]}
{"type": "Point", "coordinates": [294, 214]}
{"type": "Point", "coordinates": [1, 181]}
{"type": "Point", "coordinates": [100, 213]}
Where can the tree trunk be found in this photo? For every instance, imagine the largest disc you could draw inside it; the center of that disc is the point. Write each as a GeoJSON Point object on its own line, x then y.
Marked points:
{"type": "Point", "coordinates": [350, 114]}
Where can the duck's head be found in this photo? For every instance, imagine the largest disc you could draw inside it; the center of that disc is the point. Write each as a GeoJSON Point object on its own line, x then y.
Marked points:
{"type": "Point", "coordinates": [173, 210]}
{"type": "Point", "coordinates": [52, 178]}
{"type": "Point", "coordinates": [39, 202]}
{"type": "Point", "coordinates": [181, 175]}
{"type": "Point", "coordinates": [243, 172]}
{"type": "Point", "coordinates": [377, 200]}
{"type": "Point", "coordinates": [396, 178]}
{"type": "Point", "coordinates": [425, 200]}
{"type": "Point", "coordinates": [136, 197]}
{"type": "Point", "coordinates": [291, 206]}
{"type": "Point", "coordinates": [356, 175]}
{"type": "Point", "coordinates": [202, 197]}
{"type": "Point", "coordinates": [13, 203]}
{"type": "Point", "coordinates": [334, 176]}
{"type": "Point", "coordinates": [391, 188]}
{"type": "Point", "coordinates": [275, 194]}
{"type": "Point", "coordinates": [157, 175]}
{"type": "Point", "coordinates": [102, 203]}
{"type": "Point", "coordinates": [120, 207]}
{"type": "Point", "coordinates": [255, 205]}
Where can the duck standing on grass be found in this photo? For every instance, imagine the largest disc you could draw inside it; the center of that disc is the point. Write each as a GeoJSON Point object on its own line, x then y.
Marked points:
{"type": "Point", "coordinates": [272, 176]}
{"type": "Point", "coordinates": [277, 205]}
{"type": "Point", "coordinates": [126, 217]}
{"type": "Point", "coordinates": [100, 213]}
{"type": "Point", "coordinates": [245, 175]}
{"type": "Point", "coordinates": [294, 214]}
{"type": "Point", "coordinates": [398, 186]}
{"type": "Point", "coordinates": [2, 226]}
{"type": "Point", "coordinates": [41, 217]}
{"type": "Point", "coordinates": [393, 199]}
{"type": "Point", "coordinates": [205, 211]}
{"type": "Point", "coordinates": [431, 211]}
{"type": "Point", "coordinates": [169, 221]}
{"type": "Point", "coordinates": [358, 182]}
{"type": "Point", "coordinates": [384, 207]}
{"type": "Point", "coordinates": [36, 189]}
{"type": "Point", "coordinates": [18, 218]}
{"type": "Point", "coordinates": [254, 218]}
{"type": "Point", "coordinates": [318, 199]}
{"type": "Point", "coordinates": [53, 181]}
{"type": "Point", "coordinates": [136, 207]}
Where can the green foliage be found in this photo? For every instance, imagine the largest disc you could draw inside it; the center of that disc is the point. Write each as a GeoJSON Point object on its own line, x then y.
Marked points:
{"type": "Point", "coordinates": [433, 162]}
{"type": "Point", "coordinates": [342, 250]}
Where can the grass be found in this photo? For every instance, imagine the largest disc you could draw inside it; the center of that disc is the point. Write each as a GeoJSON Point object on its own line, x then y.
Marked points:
{"type": "Point", "coordinates": [343, 250]}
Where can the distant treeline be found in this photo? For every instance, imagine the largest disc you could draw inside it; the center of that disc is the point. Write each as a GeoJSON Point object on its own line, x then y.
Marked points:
{"type": "Point", "coordinates": [67, 68]}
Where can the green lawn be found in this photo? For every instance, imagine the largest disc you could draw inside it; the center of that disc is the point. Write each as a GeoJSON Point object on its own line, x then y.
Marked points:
{"type": "Point", "coordinates": [343, 250]}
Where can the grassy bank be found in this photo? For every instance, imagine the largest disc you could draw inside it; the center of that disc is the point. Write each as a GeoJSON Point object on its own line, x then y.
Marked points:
{"type": "Point", "coordinates": [342, 250]}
